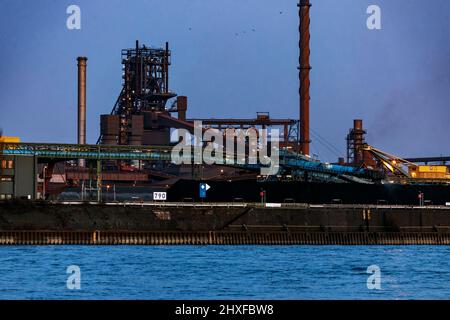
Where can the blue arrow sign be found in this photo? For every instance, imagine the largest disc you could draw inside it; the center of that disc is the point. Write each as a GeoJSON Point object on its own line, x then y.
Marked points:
{"type": "Point", "coordinates": [202, 189]}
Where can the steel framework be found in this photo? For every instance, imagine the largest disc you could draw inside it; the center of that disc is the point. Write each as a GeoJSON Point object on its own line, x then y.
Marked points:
{"type": "Point", "coordinates": [145, 86]}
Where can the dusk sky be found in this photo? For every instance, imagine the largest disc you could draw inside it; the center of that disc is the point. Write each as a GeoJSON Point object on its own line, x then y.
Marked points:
{"type": "Point", "coordinates": [397, 79]}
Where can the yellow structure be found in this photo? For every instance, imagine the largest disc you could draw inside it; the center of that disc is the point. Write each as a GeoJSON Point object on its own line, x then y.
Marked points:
{"type": "Point", "coordinates": [429, 172]}
{"type": "Point", "coordinates": [4, 139]}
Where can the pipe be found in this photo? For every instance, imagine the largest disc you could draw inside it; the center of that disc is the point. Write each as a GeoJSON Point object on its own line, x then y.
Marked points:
{"type": "Point", "coordinates": [166, 66]}
{"type": "Point", "coordinates": [182, 107]}
{"type": "Point", "coordinates": [304, 70]}
{"type": "Point", "coordinates": [357, 124]}
{"type": "Point", "coordinates": [138, 71]}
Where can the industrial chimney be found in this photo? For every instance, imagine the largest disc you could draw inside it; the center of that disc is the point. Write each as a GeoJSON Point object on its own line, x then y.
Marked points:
{"type": "Point", "coordinates": [355, 140]}
{"type": "Point", "coordinates": [304, 70]}
{"type": "Point", "coordinates": [81, 102]}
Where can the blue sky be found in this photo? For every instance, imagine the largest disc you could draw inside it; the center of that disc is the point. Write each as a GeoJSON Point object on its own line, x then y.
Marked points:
{"type": "Point", "coordinates": [397, 79]}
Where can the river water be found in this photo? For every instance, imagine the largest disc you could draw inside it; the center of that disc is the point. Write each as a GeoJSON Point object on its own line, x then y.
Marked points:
{"type": "Point", "coordinates": [224, 272]}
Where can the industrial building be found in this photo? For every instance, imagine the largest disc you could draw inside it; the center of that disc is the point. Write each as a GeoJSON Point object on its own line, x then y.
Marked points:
{"type": "Point", "coordinates": [17, 174]}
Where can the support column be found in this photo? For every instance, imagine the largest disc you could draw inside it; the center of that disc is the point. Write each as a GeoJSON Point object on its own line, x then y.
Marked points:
{"type": "Point", "coordinates": [99, 180]}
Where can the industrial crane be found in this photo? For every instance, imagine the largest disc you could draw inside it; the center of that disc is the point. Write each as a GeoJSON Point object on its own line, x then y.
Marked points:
{"type": "Point", "coordinates": [393, 163]}
{"type": "Point", "coordinates": [405, 169]}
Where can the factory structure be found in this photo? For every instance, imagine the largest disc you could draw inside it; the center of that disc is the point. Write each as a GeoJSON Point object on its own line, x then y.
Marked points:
{"type": "Point", "coordinates": [132, 154]}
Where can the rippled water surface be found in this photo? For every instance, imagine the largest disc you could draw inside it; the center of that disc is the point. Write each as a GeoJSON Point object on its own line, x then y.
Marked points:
{"type": "Point", "coordinates": [225, 272]}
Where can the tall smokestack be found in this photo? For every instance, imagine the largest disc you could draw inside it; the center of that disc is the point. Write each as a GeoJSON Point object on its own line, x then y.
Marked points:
{"type": "Point", "coordinates": [304, 70]}
{"type": "Point", "coordinates": [82, 102]}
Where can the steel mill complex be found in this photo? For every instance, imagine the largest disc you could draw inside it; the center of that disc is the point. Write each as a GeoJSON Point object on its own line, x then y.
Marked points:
{"type": "Point", "coordinates": [126, 188]}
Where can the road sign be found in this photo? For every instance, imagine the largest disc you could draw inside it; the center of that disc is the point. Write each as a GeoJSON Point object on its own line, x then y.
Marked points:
{"type": "Point", "coordinates": [203, 188]}
{"type": "Point", "coordinates": [160, 196]}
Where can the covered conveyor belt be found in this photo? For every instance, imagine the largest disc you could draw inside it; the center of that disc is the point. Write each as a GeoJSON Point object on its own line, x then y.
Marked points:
{"type": "Point", "coordinates": [288, 160]}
